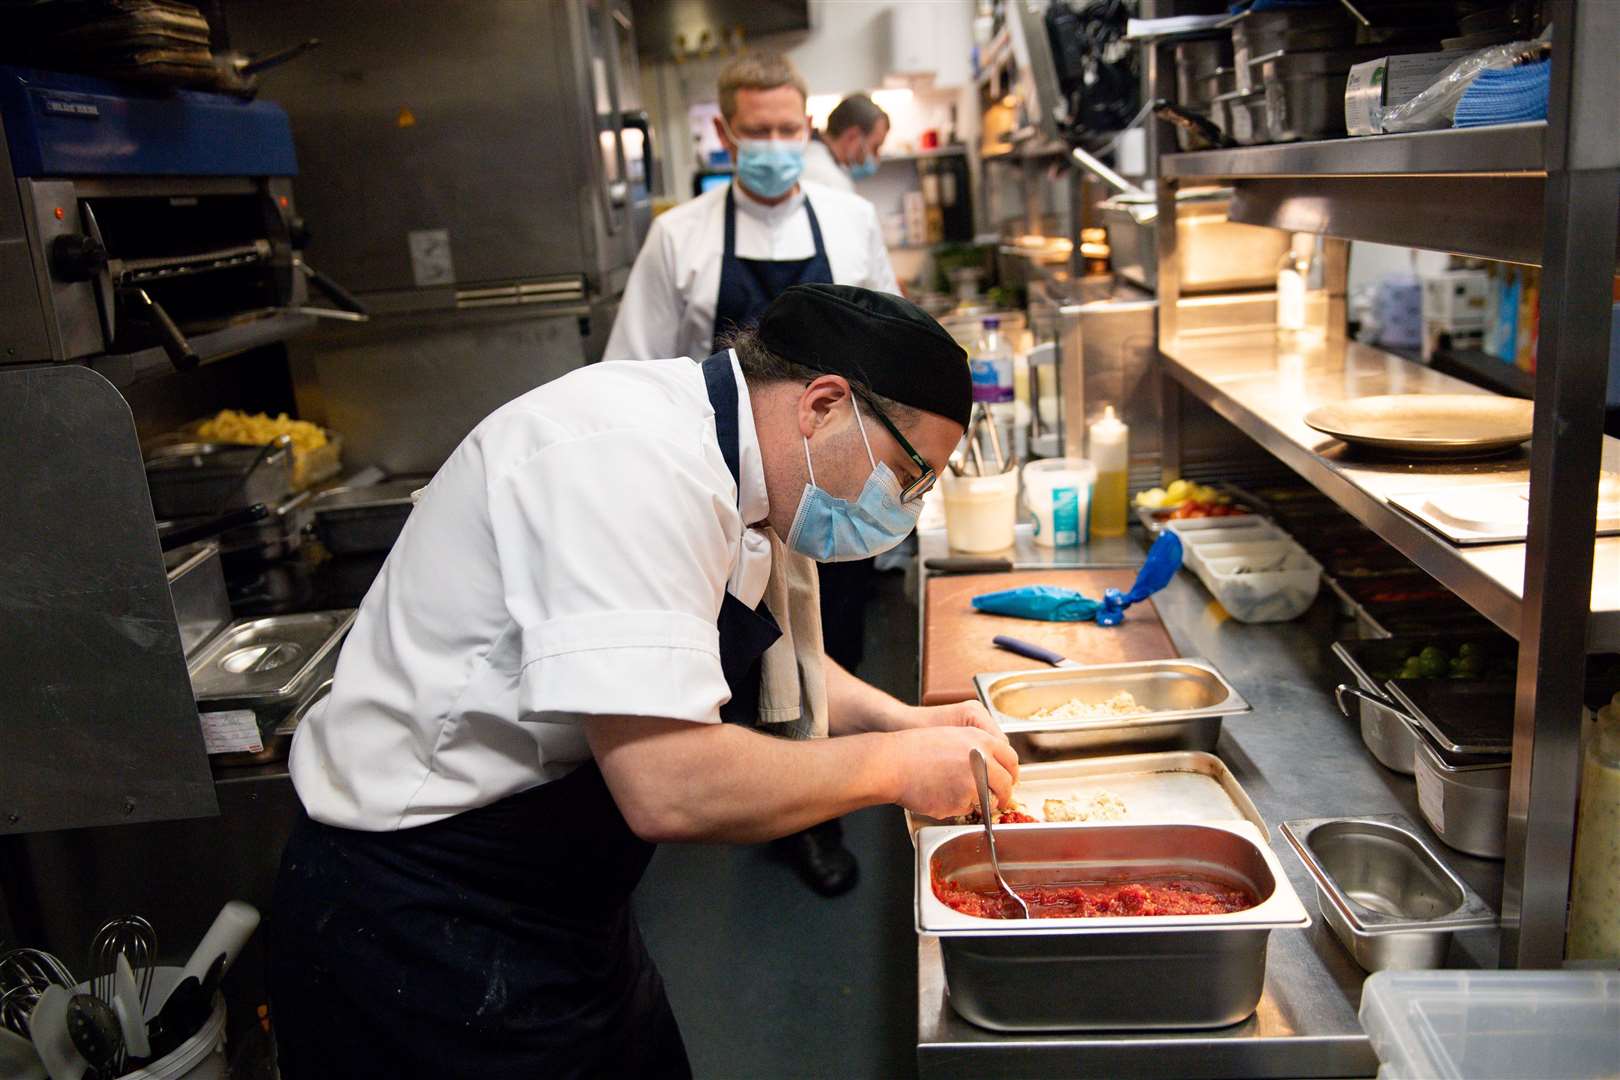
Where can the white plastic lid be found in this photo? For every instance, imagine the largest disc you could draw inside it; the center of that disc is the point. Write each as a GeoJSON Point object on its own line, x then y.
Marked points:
{"type": "Point", "coordinates": [1514, 1025]}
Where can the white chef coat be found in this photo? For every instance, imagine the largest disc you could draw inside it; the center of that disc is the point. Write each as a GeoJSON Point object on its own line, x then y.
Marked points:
{"type": "Point", "coordinates": [569, 559]}
{"type": "Point", "coordinates": [669, 302]}
{"type": "Point", "coordinates": [820, 167]}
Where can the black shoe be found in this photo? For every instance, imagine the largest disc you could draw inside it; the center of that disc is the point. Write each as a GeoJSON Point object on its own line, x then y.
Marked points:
{"type": "Point", "coordinates": [822, 860]}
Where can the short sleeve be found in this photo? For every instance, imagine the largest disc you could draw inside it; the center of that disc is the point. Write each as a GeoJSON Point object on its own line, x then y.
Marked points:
{"type": "Point", "coordinates": [614, 552]}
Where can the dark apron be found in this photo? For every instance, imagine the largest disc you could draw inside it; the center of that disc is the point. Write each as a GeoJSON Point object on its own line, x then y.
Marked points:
{"type": "Point", "coordinates": [496, 943]}
{"type": "Point", "coordinates": [747, 286]}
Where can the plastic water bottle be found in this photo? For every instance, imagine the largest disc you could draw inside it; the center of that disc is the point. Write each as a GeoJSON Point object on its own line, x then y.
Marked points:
{"type": "Point", "coordinates": [992, 365]}
{"type": "Point", "coordinates": [993, 380]}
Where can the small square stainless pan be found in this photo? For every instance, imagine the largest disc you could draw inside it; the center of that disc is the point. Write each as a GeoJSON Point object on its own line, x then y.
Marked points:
{"type": "Point", "coordinates": [1175, 692]}
{"type": "Point", "coordinates": [1177, 786]}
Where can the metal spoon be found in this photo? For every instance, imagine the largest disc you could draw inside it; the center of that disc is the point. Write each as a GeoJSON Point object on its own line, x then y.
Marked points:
{"type": "Point", "coordinates": [981, 776]}
{"type": "Point", "coordinates": [96, 1034]}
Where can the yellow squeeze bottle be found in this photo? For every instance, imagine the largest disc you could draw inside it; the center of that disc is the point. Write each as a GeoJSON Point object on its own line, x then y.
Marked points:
{"type": "Point", "coordinates": [1109, 452]}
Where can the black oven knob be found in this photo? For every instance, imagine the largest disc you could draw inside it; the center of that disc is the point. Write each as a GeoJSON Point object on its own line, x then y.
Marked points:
{"type": "Point", "coordinates": [76, 257]}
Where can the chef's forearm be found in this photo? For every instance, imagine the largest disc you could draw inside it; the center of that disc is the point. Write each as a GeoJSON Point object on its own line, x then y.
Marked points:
{"type": "Point", "coordinates": [854, 705]}
{"type": "Point", "coordinates": [678, 782]}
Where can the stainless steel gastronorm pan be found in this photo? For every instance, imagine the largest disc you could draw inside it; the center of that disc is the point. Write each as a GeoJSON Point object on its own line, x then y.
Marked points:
{"type": "Point", "coordinates": [1113, 973]}
{"type": "Point", "coordinates": [1152, 786]}
{"type": "Point", "coordinates": [1387, 894]}
{"type": "Point", "coordinates": [1185, 698]}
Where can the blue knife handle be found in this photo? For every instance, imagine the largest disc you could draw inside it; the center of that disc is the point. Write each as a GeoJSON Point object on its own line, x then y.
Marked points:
{"type": "Point", "coordinates": [1029, 649]}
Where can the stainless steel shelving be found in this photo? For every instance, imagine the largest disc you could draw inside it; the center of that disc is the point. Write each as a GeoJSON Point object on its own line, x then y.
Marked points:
{"type": "Point", "coordinates": [1504, 150]}
{"type": "Point", "coordinates": [1547, 194]}
{"type": "Point", "coordinates": [1266, 393]}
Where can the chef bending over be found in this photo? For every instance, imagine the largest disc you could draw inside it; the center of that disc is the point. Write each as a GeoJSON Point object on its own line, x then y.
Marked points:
{"type": "Point", "coordinates": [599, 632]}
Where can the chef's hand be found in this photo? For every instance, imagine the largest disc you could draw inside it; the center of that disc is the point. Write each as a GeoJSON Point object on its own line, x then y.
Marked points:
{"type": "Point", "coordinates": [960, 714]}
{"type": "Point", "coordinates": [936, 778]}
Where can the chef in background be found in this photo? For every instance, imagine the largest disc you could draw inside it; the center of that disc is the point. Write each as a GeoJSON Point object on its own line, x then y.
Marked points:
{"type": "Point", "coordinates": [598, 632]}
{"type": "Point", "coordinates": [711, 265]}
{"type": "Point", "coordinates": [847, 150]}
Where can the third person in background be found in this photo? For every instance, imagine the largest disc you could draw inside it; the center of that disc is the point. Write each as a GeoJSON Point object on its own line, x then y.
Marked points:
{"type": "Point", "coordinates": [847, 150]}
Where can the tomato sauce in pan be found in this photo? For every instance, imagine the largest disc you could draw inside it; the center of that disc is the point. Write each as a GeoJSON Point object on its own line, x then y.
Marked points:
{"type": "Point", "coordinates": [1160, 896]}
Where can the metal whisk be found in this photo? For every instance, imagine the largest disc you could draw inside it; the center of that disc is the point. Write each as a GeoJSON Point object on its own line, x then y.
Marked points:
{"type": "Point", "coordinates": [24, 975]}
{"type": "Point", "coordinates": [133, 938]}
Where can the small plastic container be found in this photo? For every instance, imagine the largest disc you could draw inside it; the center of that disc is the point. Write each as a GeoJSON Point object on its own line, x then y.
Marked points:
{"type": "Point", "coordinates": [1493, 1025]}
{"type": "Point", "coordinates": [1058, 492]}
{"type": "Point", "coordinates": [980, 511]}
{"type": "Point", "coordinates": [1194, 542]}
{"type": "Point", "coordinates": [1274, 587]}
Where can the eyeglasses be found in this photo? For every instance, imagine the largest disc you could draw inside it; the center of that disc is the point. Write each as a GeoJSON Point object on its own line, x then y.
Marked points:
{"type": "Point", "coordinates": [926, 477]}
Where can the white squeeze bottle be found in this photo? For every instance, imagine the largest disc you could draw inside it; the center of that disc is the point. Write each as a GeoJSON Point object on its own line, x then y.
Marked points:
{"type": "Point", "coordinates": [1110, 455]}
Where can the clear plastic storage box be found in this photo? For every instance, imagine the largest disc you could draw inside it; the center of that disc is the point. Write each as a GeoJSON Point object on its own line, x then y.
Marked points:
{"type": "Point", "coordinates": [1527, 1025]}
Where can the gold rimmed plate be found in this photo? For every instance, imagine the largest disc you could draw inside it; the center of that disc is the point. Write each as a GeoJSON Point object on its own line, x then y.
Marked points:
{"type": "Point", "coordinates": [1441, 425]}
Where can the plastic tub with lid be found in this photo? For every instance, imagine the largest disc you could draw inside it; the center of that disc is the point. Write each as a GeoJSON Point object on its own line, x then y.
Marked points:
{"type": "Point", "coordinates": [1058, 492]}
{"type": "Point", "coordinates": [980, 511]}
{"type": "Point", "coordinates": [1493, 1025]}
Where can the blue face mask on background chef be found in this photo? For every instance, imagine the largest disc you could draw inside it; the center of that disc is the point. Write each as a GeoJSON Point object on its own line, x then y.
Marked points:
{"type": "Point", "coordinates": [829, 529]}
{"type": "Point", "coordinates": [769, 167]}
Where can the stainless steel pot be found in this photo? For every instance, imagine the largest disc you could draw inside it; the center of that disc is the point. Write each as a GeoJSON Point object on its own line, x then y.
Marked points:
{"type": "Point", "coordinates": [1464, 798]}
{"type": "Point", "coordinates": [1304, 91]}
{"type": "Point", "coordinates": [1384, 729]}
{"type": "Point", "coordinates": [1120, 973]}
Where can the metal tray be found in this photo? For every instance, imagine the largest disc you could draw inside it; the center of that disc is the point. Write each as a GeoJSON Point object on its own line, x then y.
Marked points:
{"type": "Point", "coordinates": [1186, 698]}
{"type": "Point", "coordinates": [204, 479]}
{"type": "Point", "coordinates": [1387, 894]}
{"type": "Point", "coordinates": [277, 732]}
{"type": "Point", "coordinates": [1427, 425]}
{"type": "Point", "coordinates": [1461, 716]}
{"type": "Point", "coordinates": [197, 586]}
{"type": "Point", "coordinates": [364, 518]}
{"type": "Point", "coordinates": [1503, 516]}
{"type": "Point", "coordinates": [1033, 974]}
{"type": "Point", "coordinates": [1173, 787]}
{"type": "Point", "coordinates": [263, 661]}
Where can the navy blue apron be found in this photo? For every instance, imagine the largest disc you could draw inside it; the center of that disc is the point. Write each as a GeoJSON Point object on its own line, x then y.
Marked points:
{"type": "Point", "coordinates": [747, 286]}
{"type": "Point", "coordinates": [497, 943]}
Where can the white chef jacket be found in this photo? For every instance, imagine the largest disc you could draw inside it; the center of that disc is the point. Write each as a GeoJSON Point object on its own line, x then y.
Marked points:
{"type": "Point", "coordinates": [669, 302]}
{"type": "Point", "coordinates": [569, 559]}
{"type": "Point", "coordinates": [820, 167]}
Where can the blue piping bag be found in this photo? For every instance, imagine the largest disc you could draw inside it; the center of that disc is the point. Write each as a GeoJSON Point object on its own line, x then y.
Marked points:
{"type": "Point", "coordinates": [1049, 603]}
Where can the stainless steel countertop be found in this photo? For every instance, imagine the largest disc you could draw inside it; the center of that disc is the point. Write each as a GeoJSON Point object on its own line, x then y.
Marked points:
{"type": "Point", "coordinates": [1297, 757]}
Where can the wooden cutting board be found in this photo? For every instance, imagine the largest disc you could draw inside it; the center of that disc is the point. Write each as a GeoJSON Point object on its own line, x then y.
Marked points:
{"type": "Point", "coordinates": [956, 639]}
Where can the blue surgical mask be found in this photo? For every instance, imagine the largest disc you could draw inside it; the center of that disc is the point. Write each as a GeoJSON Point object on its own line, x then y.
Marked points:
{"type": "Point", "coordinates": [867, 166]}
{"type": "Point", "coordinates": [769, 167]}
{"type": "Point", "coordinates": [830, 529]}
